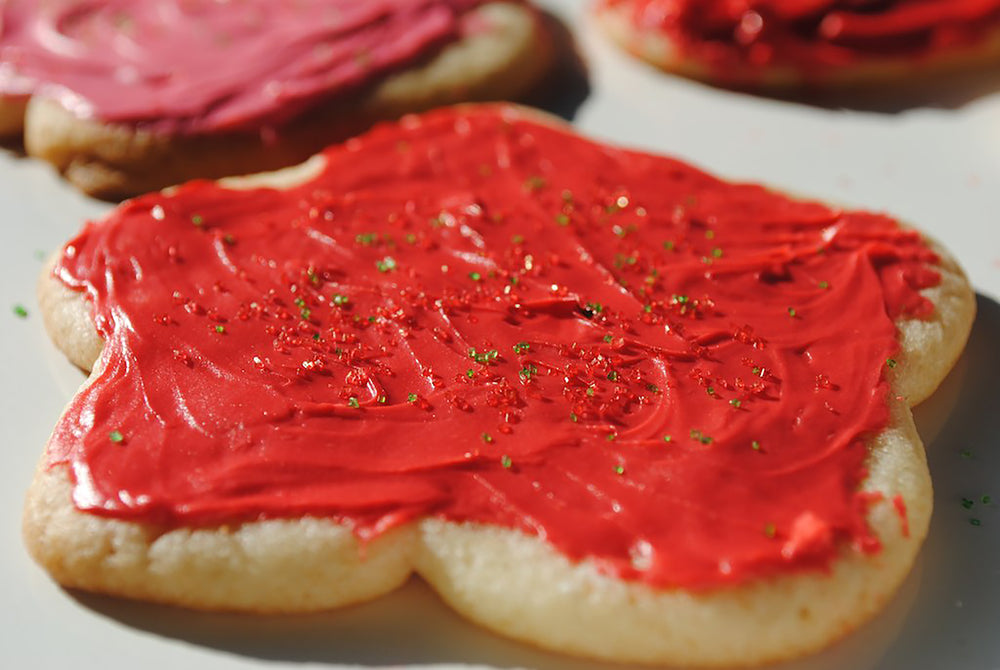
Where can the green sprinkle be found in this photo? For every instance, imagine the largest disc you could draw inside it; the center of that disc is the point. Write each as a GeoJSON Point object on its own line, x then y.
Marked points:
{"type": "Point", "coordinates": [891, 362]}
{"type": "Point", "coordinates": [792, 312]}
{"type": "Point", "coordinates": [608, 338]}
{"type": "Point", "coordinates": [470, 373]}
{"type": "Point", "coordinates": [756, 370]}
{"type": "Point", "coordinates": [366, 239]}
{"type": "Point", "coordinates": [20, 312]}
{"type": "Point", "coordinates": [412, 397]}
{"type": "Point", "coordinates": [339, 299]}
{"type": "Point", "coordinates": [755, 445]}
{"type": "Point", "coordinates": [647, 308]}
{"type": "Point", "coordinates": [562, 219]}
{"type": "Point", "coordinates": [824, 284]}
{"type": "Point", "coordinates": [573, 417]}
{"type": "Point", "coordinates": [621, 260]}
{"type": "Point", "coordinates": [975, 522]}
{"type": "Point", "coordinates": [299, 302]}
{"type": "Point", "coordinates": [709, 234]}
{"type": "Point", "coordinates": [710, 390]}
{"type": "Point", "coordinates": [534, 183]}
{"type": "Point", "coordinates": [717, 252]}
{"type": "Point", "coordinates": [590, 391]}
{"type": "Point", "coordinates": [612, 376]}
{"type": "Point", "coordinates": [517, 239]}
{"type": "Point", "coordinates": [411, 238]}
{"type": "Point", "coordinates": [667, 438]}
{"type": "Point", "coordinates": [653, 388]}
{"type": "Point", "coordinates": [700, 437]}
{"type": "Point", "coordinates": [669, 245]}
{"type": "Point", "coordinates": [316, 336]}
{"type": "Point", "coordinates": [475, 276]}
{"type": "Point", "coordinates": [985, 500]}
{"type": "Point", "coordinates": [116, 436]}
{"type": "Point", "coordinates": [382, 400]}
{"type": "Point", "coordinates": [197, 220]}
{"type": "Point", "coordinates": [967, 504]}
{"type": "Point", "coordinates": [610, 437]}
{"type": "Point", "coordinates": [506, 461]}
{"type": "Point", "coordinates": [736, 403]}
{"type": "Point", "coordinates": [487, 438]}
{"type": "Point", "coordinates": [305, 313]}
{"type": "Point", "coordinates": [595, 307]}
{"type": "Point", "coordinates": [353, 402]}
{"type": "Point", "coordinates": [386, 264]}
{"type": "Point", "coordinates": [485, 357]}
{"type": "Point", "coordinates": [680, 299]}
{"type": "Point", "coordinates": [521, 347]}
{"type": "Point", "coordinates": [619, 470]}
{"type": "Point", "coordinates": [220, 329]}
{"type": "Point", "coordinates": [527, 372]}
{"type": "Point", "coordinates": [770, 530]}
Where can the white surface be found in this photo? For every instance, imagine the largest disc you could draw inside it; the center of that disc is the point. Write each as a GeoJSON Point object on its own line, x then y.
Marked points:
{"type": "Point", "coordinates": [933, 160]}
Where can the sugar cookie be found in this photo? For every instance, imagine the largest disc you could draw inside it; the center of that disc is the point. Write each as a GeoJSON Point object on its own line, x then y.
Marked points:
{"type": "Point", "coordinates": [601, 400]}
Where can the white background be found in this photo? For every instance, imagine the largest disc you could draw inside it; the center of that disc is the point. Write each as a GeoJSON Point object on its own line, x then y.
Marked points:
{"type": "Point", "coordinates": [929, 155]}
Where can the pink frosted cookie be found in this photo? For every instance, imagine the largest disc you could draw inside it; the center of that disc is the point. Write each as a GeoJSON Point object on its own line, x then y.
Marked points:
{"type": "Point", "coordinates": [125, 96]}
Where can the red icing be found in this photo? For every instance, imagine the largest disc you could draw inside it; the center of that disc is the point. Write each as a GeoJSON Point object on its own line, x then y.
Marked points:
{"type": "Point", "coordinates": [627, 297]}
{"type": "Point", "coordinates": [735, 38]}
{"type": "Point", "coordinates": [900, 505]}
{"type": "Point", "coordinates": [205, 65]}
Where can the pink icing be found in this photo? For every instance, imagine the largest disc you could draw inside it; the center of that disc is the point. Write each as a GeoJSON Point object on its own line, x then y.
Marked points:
{"type": "Point", "coordinates": [191, 66]}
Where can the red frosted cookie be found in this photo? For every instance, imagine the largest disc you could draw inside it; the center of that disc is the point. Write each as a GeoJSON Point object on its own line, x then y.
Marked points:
{"type": "Point", "coordinates": [129, 96]}
{"type": "Point", "coordinates": [602, 401]}
{"type": "Point", "coordinates": [781, 43]}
